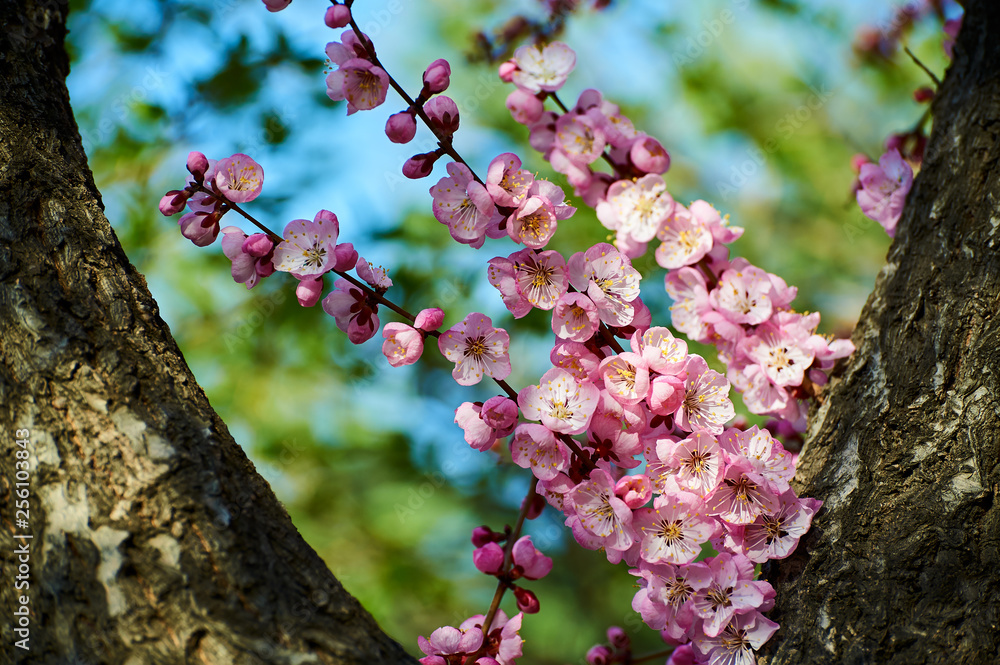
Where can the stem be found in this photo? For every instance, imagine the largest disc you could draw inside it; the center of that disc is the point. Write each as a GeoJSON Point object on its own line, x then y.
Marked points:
{"type": "Point", "coordinates": [937, 82]}
{"type": "Point", "coordinates": [503, 582]}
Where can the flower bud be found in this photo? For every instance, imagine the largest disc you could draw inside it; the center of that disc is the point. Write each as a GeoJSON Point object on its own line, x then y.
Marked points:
{"type": "Point", "coordinates": [507, 70]}
{"type": "Point", "coordinates": [618, 638]}
{"type": "Point", "coordinates": [347, 256]}
{"type": "Point", "coordinates": [258, 245]}
{"type": "Point", "coordinates": [923, 94]}
{"type": "Point", "coordinates": [648, 155]}
{"type": "Point", "coordinates": [197, 164]}
{"type": "Point", "coordinates": [482, 535]}
{"type": "Point", "coordinates": [599, 654]}
{"type": "Point", "coordinates": [401, 127]}
{"type": "Point", "coordinates": [524, 107]}
{"type": "Point", "coordinates": [429, 319]}
{"type": "Point", "coordinates": [173, 202]}
{"type": "Point", "coordinates": [437, 77]}
{"type": "Point", "coordinates": [276, 5]}
{"type": "Point", "coordinates": [488, 558]}
{"type": "Point", "coordinates": [527, 601]}
{"type": "Point", "coordinates": [420, 166]}
{"type": "Point", "coordinates": [308, 291]}
{"type": "Point", "coordinates": [337, 16]}
{"type": "Point", "coordinates": [443, 113]}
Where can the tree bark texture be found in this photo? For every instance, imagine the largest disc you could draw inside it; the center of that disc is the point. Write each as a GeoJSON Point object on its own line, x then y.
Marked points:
{"type": "Point", "coordinates": [154, 540]}
{"type": "Point", "coordinates": [903, 563]}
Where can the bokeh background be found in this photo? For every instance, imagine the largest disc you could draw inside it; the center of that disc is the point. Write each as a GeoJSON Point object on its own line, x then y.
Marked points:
{"type": "Point", "coordinates": [760, 103]}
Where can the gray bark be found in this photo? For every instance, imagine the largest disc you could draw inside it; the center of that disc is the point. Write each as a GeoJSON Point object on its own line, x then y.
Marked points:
{"type": "Point", "coordinates": [903, 563]}
{"type": "Point", "coordinates": [154, 539]}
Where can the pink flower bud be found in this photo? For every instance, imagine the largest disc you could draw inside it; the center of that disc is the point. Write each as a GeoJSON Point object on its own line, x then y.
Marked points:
{"type": "Point", "coordinates": [437, 76]}
{"type": "Point", "coordinates": [403, 344]}
{"type": "Point", "coordinates": [500, 413]}
{"type": "Point", "coordinates": [482, 535]}
{"type": "Point", "coordinates": [337, 16]}
{"type": "Point", "coordinates": [635, 491]}
{"type": "Point", "coordinates": [527, 601]}
{"type": "Point", "coordinates": [401, 127]}
{"type": "Point", "coordinates": [507, 70]}
{"type": "Point", "coordinates": [538, 504]}
{"type": "Point", "coordinates": [443, 113]}
{"type": "Point", "coordinates": [429, 319]}
{"type": "Point", "coordinates": [598, 655]}
{"type": "Point", "coordinates": [618, 638]}
{"type": "Point", "coordinates": [420, 166]}
{"type": "Point", "coordinates": [193, 228]}
{"type": "Point", "coordinates": [265, 268]}
{"type": "Point", "coordinates": [258, 245]}
{"type": "Point", "coordinates": [488, 558]}
{"type": "Point", "coordinates": [346, 256]}
{"type": "Point", "coordinates": [197, 164]}
{"type": "Point", "coordinates": [647, 154]}
{"type": "Point", "coordinates": [276, 5]}
{"type": "Point", "coordinates": [524, 107]}
{"type": "Point", "coordinates": [173, 202]}
{"type": "Point", "coordinates": [666, 393]}
{"type": "Point", "coordinates": [533, 564]}
{"type": "Point", "coordinates": [308, 291]}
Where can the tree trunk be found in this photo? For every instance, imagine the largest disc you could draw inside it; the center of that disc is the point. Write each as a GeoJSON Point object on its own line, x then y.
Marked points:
{"type": "Point", "coordinates": [903, 563]}
{"type": "Point", "coordinates": [153, 540]}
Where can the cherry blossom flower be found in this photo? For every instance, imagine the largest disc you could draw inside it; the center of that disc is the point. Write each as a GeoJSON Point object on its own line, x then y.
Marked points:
{"type": "Point", "coordinates": [377, 278]}
{"type": "Point", "coordinates": [626, 377]}
{"type": "Point", "coordinates": [674, 529]}
{"type": "Point", "coordinates": [476, 348]}
{"type": "Point", "coordinates": [560, 402]}
{"type": "Point", "coordinates": [362, 83]}
{"type": "Point", "coordinates": [488, 558]}
{"type": "Point", "coordinates": [575, 317]}
{"type": "Point", "coordinates": [309, 248]}
{"type": "Point", "coordinates": [201, 228]}
{"type": "Point", "coordinates": [664, 601]}
{"type": "Point", "coordinates": [579, 138]}
{"type": "Point", "coordinates": [239, 178]}
{"type": "Point", "coordinates": [731, 591]}
{"type": "Point", "coordinates": [764, 455]}
{"type": "Point", "coordinates": [576, 358]}
{"type": "Point", "coordinates": [447, 641]}
{"type": "Point", "coordinates": [743, 296]}
{"type": "Point", "coordinates": [534, 222]}
{"type": "Point", "coordinates": [535, 447]}
{"type": "Point", "coordinates": [437, 76]}
{"type": "Point", "coordinates": [735, 644]}
{"type": "Point", "coordinates": [337, 16]}
{"type": "Point", "coordinates": [775, 536]}
{"type": "Point", "coordinates": [465, 207]}
{"type": "Point", "coordinates": [610, 281]}
{"type": "Point", "coordinates": [524, 107]}
{"type": "Point", "coordinates": [884, 188]}
{"type": "Point", "coordinates": [403, 344]}
{"type": "Point", "coordinates": [354, 313]}
{"type": "Point", "coordinates": [251, 256]}
{"type": "Point", "coordinates": [602, 513]}
{"type": "Point", "coordinates": [637, 209]}
{"type": "Point", "coordinates": [401, 127]}
{"type": "Point", "coordinates": [443, 114]}
{"type": "Point", "coordinates": [502, 641]}
{"type": "Point", "coordinates": [782, 352]}
{"type": "Point", "coordinates": [706, 399]}
{"type": "Point", "coordinates": [698, 459]}
{"type": "Point", "coordinates": [688, 290]}
{"type": "Point", "coordinates": [685, 240]}
{"type": "Point", "coordinates": [543, 69]}
{"type": "Point", "coordinates": [665, 353]}
{"type": "Point", "coordinates": [537, 277]}
{"type": "Point", "coordinates": [742, 495]}
{"type": "Point", "coordinates": [506, 181]}
{"type": "Point", "coordinates": [528, 561]}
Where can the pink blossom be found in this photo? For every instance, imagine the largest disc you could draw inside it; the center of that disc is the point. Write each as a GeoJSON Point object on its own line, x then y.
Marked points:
{"type": "Point", "coordinates": [506, 181]}
{"type": "Point", "coordinates": [764, 455]}
{"type": "Point", "coordinates": [576, 358]}
{"type": "Point", "coordinates": [501, 275]}
{"type": "Point", "coordinates": [309, 248]}
{"type": "Point", "coordinates": [476, 348]}
{"type": "Point", "coordinates": [599, 654]}
{"type": "Point", "coordinates": [488, 558]}
{"type": "Point", "coordinates": [198, 165]}
{"type": "Point", "coordinates": [743, 295]}
{"type": "Point", "coordinates": [685, 240]}
{"type": "Point", "coordinates": [664, 601]}
{"type": "Point", "coordinates": [420, 166]}
{"type": "Point", "coordinates": [239, 178]}
{"type": "Point", "coordinates": [575, 317]}
{"type": "Point", "coordinates": [524, 107]}
{"type": "Point", "coordinates": [665, 353]}
{"type": "Point", "coordinates": [635, 491]}
{"type": "Point", "coordinates": [610, 281]}
{"type": "Point", "coordinates": [355, 315]}
{"type": "Point", "coordinates": [666, 394]}
{"type": "Point", "coordinates": [580, 138]}
{"type": "Point", "coordinates": [200, 228]}
{"type": "Point", "coordinates": [540, 277]}
{"type": "Point", "coordinates": [674, 529]}
{"type": "Point", "coordinates": [743, 635]}
{"type": "Point", "coordinates": [437, 76]}
{"type": "Point", "coordinates": [533, 564]}
{"type": "Point", "coordinates": [543, 69]}
{"type": "Point", "coordinates": [464, 206]}
{"type": "Point", "coordinates": [602, 513]}
{"type": "Point", "coordinates": [648, 155]}
{"type": "Point", "coordinates": [637, 209]}
{"type": "Point", "coordinates": [561, 402]}
{"type": "Point", "coordinates": [173, 202]}
{"type": "Point", "coordinates": [782, 352]}
{"type": "Point", "coordinates": [403, 344]}
{"type": "Point", "coordinates": [688, 290]}
{"type": "Point", "coordinates": [626, 377]}
{"type": "Point", "coordinates": [363, 84]}
{"type": "Point", "coordinates": [535, 447]}
{"type": "Point", "coordinates": [248, 266]}
{"type": "Point", "coordinates": [377, 278]}
{"type": "Point", "coordinates": [731, 591]}
{"type": "Point", "coordinates": [478, 434]}
{"type": "Point", "coordinates": [276, 5]}
{"type": "Point", "coordinates": [742, 496]}
{"type": "Point", "coordinates": [706, 399]}
{"type": "Point", "coordinates": [447, 641]}
{"type": "Point", "coordinates": [884, 188]}
{"type": "Point", "coordinates": [534, 222]}
{"type": "Point", "coordinates": [698, 459]}
{"type": "Point", "coordinates": [775, 536]}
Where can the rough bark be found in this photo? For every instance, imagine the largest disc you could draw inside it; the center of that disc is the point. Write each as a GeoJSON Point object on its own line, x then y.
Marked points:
{"type": "Point", "coordinates": [155, 541]}
{"type": "Point", "coordinates": [903, 564]}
